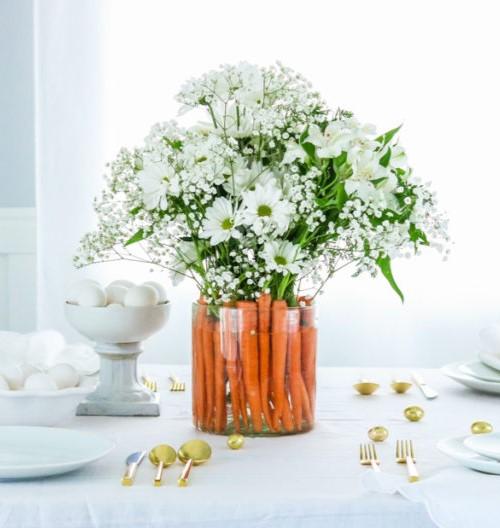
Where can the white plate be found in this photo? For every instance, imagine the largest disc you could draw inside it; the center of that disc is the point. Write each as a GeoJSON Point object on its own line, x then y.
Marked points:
{"type": "Point", "coordinates": [477, 369]}
{"type": "Point", "coordinates": [491, 359]}
{"type": "Point", "coordinates": [487, 445]}
{"type": "Point", "coordinates": [29, 452]}
{"type": "Point", "coordinates": [453, 371]}
{"type": "Point", "coordinates": [455, 448]}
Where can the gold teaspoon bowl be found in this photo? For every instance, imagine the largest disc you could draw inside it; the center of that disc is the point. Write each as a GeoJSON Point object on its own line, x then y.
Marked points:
{"type": "Point", "coordinates": [161, 456]}
{"type": "Point", "coordinates": [192, 453]}
{"type": "Point", "coordinates": [366, 387]}
{"type": "Point", "coordinates": [400, 386]}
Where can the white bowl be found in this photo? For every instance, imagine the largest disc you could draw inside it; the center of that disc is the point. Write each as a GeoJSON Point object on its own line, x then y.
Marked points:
{"type": "Point", "coordinates": [40, 407]}
{"type": "Point", "coordinates": [117, 324]}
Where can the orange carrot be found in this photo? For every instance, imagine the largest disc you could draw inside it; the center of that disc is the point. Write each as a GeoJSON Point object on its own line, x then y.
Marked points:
{"type": "Point", "coordinates": [208, 362]}
{"type": "Point", "coordinates": [230, 344]}
{"type": "Point", "coordinates": [309, 335]}
{"type": "Point", "coordinates": [247, 328]}
{"type": "Point", "coordinates": [198, 367]}
{"type": "Point", "coordinates": [264, 307]}
{"type": "Point", "coordinates": [279, 344]}
{"type": "Point", "coordinates": [295, 375]}
{"type": "Point", "coordinates": [220, 381]}
{"type": "Point", "coordinates": [306, 404]}
{"type": "Point", "coordinates": [287, 416]}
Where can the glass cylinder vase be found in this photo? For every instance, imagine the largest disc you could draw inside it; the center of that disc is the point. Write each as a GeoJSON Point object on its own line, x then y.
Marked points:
{"type": "Point", "coordinates": [254, 368]}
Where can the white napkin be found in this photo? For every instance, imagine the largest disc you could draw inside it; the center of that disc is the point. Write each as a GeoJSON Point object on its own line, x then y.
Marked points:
{"type": "Point", "coordinates": [455, 497]}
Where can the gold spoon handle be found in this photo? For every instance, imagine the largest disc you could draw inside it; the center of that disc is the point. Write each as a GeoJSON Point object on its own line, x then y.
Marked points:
{"type": "Point", "coordinates": [183, 479]}
{"type": "Point", "coordinates": [159, 473]}
{"type": "Point", "coordinates": [129, 476]}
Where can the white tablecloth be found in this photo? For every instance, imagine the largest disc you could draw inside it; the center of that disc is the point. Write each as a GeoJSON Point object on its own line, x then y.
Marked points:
{"type": "Point", "coordinates": [308, 480]}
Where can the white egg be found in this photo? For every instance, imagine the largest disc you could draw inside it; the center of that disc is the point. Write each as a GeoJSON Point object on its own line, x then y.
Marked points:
{"type": "Point", "coordinates": [75, 288]}
{"type": "Point", "coordinates": [122, 282]}
{"type": "Point", "coordinates": [40, 381]}
{"type": "Point", "coordinates": [13, 375]}
{"type": "Point", "coordinates": [114, 306]}
{"type": "Point", "coordinates": [141, 296]}
{"type": "Point", "coordinates": [64, 375]}
{"type": "Point", "coordinates": [3, 384]}
{"type": "Point", "coordinates": [115, 294]}
{"type": "Point", "coordinates": [160, 290]}
{"type": "Point", "coordinates": [28, 370]}
{"type": "Point", "coordinates": [91, 295]}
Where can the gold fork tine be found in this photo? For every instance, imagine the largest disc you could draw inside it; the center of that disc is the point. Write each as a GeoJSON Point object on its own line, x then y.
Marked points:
{"type": "Point", "coordinates": [405, 454]}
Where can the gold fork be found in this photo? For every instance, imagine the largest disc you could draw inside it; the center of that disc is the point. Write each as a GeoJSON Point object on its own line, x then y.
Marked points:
{"type": "Point", "coordinates": [368, 456]}
{"type": "Point", "coordinates": [405, 454]}
{"type": "Point", "coordinates": [176, 386]}
{"type": "Point", "coordinates": [150, 383]}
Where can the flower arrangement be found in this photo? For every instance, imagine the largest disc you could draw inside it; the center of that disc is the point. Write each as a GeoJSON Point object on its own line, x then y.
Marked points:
{"type": "Point", "coordinates": [272, 193]}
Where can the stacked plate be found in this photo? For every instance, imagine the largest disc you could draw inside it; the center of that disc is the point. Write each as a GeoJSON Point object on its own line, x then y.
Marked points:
{"type": "Point", "coordinates": [483, 373]}
{"type": "Point", "coordinates": [478, 452]}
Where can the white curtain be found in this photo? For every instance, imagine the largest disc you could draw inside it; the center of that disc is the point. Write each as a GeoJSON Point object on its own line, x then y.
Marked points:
{"type": "Point", "coordinates": [107, 70]}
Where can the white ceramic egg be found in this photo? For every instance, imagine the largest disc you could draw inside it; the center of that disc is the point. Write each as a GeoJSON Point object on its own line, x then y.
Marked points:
{"type": "Point", "coordinates": [141, 296]}
{"type": "Point", "coordinates": [13, 375]}
{"type": "Point", "coordinates": [75, 288]}
{"type": "Point", "coordinates": [40, 381]}
{"type": "Point", "coordinates": [160, 290]}
{"type": "Point", "coordinates": [115, 294]}
{"type": "Point", "coordinates": [3, 384]}
{"type": "Point", "coordinates": [114, 306]}
{"type": "Point", "coordinates": [64, 375]}
{"type": "Point", "coordinates": [91, 295]}
{"type": "Point", "coordinates": [122, 282]}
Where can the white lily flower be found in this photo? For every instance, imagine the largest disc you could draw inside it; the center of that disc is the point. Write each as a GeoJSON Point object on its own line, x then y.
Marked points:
{"type": "Point", "coordinates": [398, 158]}
{"type": "Point", "coordinates": [157, 180]}
{"type": "Point", "coordinates": [369, 180]}
{"type": "Point", "coordinates": [186, 255]}
{"type": "Point", "coordinates": [282, 256]}
{"type": "Point", "coordinates": [265, 210]}
{"type": "Point", "coordinates": [220, 222]}
{"type": "Point", "coordinates": [332, 141]}
{"type": "Point", "coordinates": [293, 152]}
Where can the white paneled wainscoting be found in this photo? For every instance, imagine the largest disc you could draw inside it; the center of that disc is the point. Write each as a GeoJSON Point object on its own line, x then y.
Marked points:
{"type": "Point", "coordinates": [17, 269]}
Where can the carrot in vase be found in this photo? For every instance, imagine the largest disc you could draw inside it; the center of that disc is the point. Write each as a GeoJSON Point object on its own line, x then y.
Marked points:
{"type": "Point", "coordinates": [220, 381]}
{"type": "Point", "coordinates": [231, 355]}
{"type": "Point", "coordinates": [208, 362]}
{"type": "Point", "coordinates": [198, 366]}
{"type": "Point", "coordinates": [247, 328]}
{"type": "Point", "coordinates": [306, 404]}
{"type": "Point", "coordinates": [279, 329]}
{"type": "Point", "coordinates": [295, 374]}
{"type": "Point", "coordinates": [264, 308]}
{"type": "Point", "coordinates": [309, 335]}
{"type": "Point", "coordinates": [287, 415]}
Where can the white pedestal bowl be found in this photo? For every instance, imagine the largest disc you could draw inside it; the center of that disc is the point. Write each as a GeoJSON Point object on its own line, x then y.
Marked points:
{"type": "Point", "coordinates": [117, 332]}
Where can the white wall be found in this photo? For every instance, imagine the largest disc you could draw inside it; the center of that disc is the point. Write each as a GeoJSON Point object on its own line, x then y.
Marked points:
{"type": "Point", "coordinates": [17, 176]}
{"type": "Point", "coordinates": [427, 64]}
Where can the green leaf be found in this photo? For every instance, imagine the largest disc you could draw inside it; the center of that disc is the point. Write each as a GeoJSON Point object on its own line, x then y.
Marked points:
{"type": "Point", "coordinates": [135, 210]}
{"type": "Point", "coordinates": [310, 149]}
{"type": "Point", "coordinates": [304, 135]}
{"type": "Point", "coordinates": [340, 160]}
{"type": "Point", "coordinates": [384, 160]}
{"type": "Point", "coordinates": [137, 237]}
{"type": "Point", "coordinates": [341, 195]}
{"type": "Point", "coordinates": [175, 144]}
{"type": "Point", "coordinates": [385, 138]}
{"type": "Point", "coordinates": [384, 263]}
{"type": "Point", "coordinates": [378, 182]}
{"type": "Point", "coordinates": [417, 234]}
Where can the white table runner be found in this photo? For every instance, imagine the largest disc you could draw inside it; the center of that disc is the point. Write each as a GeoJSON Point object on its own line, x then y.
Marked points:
{"type": "Point", "coordinates": [308, 480]}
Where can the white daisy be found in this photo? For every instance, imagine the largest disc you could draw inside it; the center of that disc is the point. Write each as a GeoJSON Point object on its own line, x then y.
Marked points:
{"type": "Point", "coordinates": [265, 210]}
{"type": "Point", "coordinates": [157, 180]}
{"type": "Point", "coordinates": [220, 222]}
{"type": "Point", "coordinates": [244, 178]}
{"type": "Point", "coordinates": [282, 256]}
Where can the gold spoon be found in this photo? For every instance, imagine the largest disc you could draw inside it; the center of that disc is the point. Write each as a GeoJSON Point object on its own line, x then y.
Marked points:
{"type": "Point", "coordinates": [162, 456]}
{"type": "Point", "coordinates": [192, 453]}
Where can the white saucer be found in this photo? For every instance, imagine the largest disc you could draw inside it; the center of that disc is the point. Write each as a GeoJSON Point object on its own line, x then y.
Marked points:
{"type": "Point", "coordinates": [453, 371]}
{"type": "Point", "coordinates": [455, 448]}
{"type": "Point", "coordinates": [477, 369]}
{"type": "Point", "coordinates": [29, 452]}
{"type": "Point", "coordinates": [491, 359]}
{"type": "Point", "coordinates": [487, 445]}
